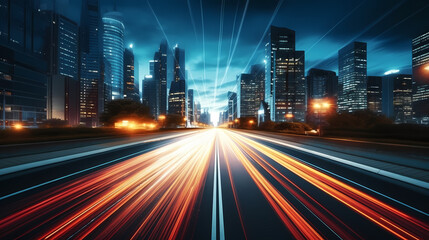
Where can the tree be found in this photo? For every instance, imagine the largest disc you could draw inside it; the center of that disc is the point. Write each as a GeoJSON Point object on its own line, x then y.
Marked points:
{"type": "Point", "coordinates": [124, 109]}
{"type": "Point", "coordinates": [364, 119]}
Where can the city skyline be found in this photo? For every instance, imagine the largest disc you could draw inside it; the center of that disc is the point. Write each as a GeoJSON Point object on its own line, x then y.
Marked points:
{"type": "Point", "coordinates": [382, 24]}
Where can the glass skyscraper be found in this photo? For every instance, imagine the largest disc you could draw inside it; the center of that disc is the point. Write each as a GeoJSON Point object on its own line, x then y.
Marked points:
{"type": "Point", "coordinates": [130, 87]}
{"type": "Point", "coordinates": [420, 46]}
{"type": "Point", "coordinates": [352, 73]}
{"type": "Point", "coordinates": [63, 85]}
{"type": "Point", "coordinates": [374, 94]}
{"type": "Point", "coordinates": [177, 95]}
{"type": "Point", "coordinates": [113, 50]}
{"type": "Point", "coordinates": [23, 65]}
{"type": "Point", "coordinates": [285, 87]}
{"type": "Point", "coordinates": [397, 97]}
{"type": "Point", "coordinates": [91, 76]}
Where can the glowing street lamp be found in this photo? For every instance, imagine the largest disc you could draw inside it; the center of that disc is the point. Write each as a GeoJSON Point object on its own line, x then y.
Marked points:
{"type": "Point", "coordinates": [17, 126]}
{"type": "Point", "coordinates": [251, 121]}
{"type": "Point", "coordinates": [161, 117]}
{"type": "Point", "coordinates": [317, 107]}
{"type": "Point", "coordinates": [289, 116]}
{"type": "Point", "coordinates": [427, 68]}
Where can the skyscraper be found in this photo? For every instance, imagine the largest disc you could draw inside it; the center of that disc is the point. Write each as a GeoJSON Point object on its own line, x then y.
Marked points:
{"type": "Point", "coordinates": [63, 84]}
{"type": "Point", "coordinates": [285, 86]}
{"type": "Point", "coordinates": [163, 74]}
{"type": "Point", "coordinates": [130, 88]}
{"type": "Point", "coordinates": [177, 95]}
{"type": "Point", "coordinates": [23, 63]}
{"type": "Point", "coordinates": [232, 106]}
{"type": "Point", "coordinates": [258, 72]}
{"type": "Point", "coordinates": [352, 72]}
{"type": "Point", "coordinates": [420, 62]}
{"type": "Point", "coordinates": [90, 75]}
{"type": "Point", "coordinates": [250, 91]}
{"type": "Point", "coordinates": [113, 50]}
{"type": "Point", "coordinates": [374, 94]}
{"type": "Point", "coordinates": [149, 94]}
{"type": "Point", "coordinates": [322, 84]}
{"type": "Point", "coordinates": [154, 67]}
{"type": "Point", "coordinates": [191, 106]}
{"type": "Point", "coordinates": [397, 97]}
{"type": "Point", "coordinates": [158, 69]}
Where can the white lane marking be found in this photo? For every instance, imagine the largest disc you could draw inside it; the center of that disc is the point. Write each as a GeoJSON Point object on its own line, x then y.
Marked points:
{"type": "Point", "coordinates": [75, 173]}
{"type": "Point", "coordinates": [40, 163]}
{"type": "Point", "coordinates": [214, 205]}
{"type": "Point", "coordinates": [221, 222]}
{"type": "Point", "coordinates": [378, 171]}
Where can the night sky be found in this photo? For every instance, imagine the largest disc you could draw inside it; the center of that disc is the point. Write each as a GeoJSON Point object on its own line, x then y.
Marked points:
{"type": "Point", "coordinates": [322, 28]}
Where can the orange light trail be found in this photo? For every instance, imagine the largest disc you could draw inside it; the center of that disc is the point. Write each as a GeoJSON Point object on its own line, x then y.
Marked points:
{"type": "Point", "coordinates": [158, 190]}
{"type": "Point", "coordinates": [157, 195]}
{"type": "Point", "coordinates": [393, 220]}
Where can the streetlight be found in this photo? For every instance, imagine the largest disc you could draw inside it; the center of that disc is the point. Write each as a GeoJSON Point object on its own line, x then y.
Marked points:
{"type": "Point", "coordinates": [289, 116]}
{"type": "Point", "coordinates": [318, 106]}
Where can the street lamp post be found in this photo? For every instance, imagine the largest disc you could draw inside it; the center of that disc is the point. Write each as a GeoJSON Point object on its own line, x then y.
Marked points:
{"type": "Point", "coordinates": [318, 107]}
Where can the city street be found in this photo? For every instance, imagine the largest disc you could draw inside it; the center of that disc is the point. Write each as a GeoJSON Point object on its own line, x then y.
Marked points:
{"type": "Point", "coordinates": [214, 184]}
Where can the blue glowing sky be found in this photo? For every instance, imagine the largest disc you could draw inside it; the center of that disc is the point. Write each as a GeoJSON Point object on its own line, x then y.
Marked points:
{"type": "Point", "coordinates": [322, 28]}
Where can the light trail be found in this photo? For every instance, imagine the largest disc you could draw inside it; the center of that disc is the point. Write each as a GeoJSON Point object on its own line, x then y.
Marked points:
{"type": "Point", "coordinates": [152, 196]}
{"type": "Point", "coordinates": [279, 4]}
{"type": "Point", "coordinates": [192, 19]}
{"type": "Point", "coordinates": [219, 47]}
{"type": "Point", "coordinates": [204, 46]}
{"type": "Point", "coordinates": [164, 194]}
{"type": "Point", "coordinates": [236, 42]}
{"type": "Point", "coordinates": [387, 217]}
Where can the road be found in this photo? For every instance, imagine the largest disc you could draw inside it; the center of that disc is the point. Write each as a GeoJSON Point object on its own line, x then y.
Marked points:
{"type": "Point", "coordinates": [209, 184]}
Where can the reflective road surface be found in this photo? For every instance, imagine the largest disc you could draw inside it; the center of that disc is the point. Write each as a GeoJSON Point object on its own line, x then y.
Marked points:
{"type": "Point", "coordinates": [209, 184]}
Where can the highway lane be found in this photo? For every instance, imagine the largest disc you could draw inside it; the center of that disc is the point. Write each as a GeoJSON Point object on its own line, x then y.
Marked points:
{"type": "Point", "coordinates": [213, 184]}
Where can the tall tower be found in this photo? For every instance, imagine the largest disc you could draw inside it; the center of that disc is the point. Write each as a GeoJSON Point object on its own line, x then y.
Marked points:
{"type": "Point", "coordinates": [420, 63]}
{"type": "Point", "coordinates": [130, 87]}
{"type": "Point", "coordinates": [113, 50]}
{"type": "Point", "coordinates": [284, 75]}
{"type": "Point", "coordinates": [352, 73]}
{"type": "Point", "coordinates": [177, 95]}
{"type": "Point", "coordinates": [90, 75]}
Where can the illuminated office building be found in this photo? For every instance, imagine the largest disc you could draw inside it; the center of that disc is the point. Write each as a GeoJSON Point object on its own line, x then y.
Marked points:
{"type": "Point", "coordinates": [397, 97]}
{"type": "Point", "coordinates": [420, 63]}
{"type": "Point", "coordinates": [177, 95]}
{"type": "Point", "coordinates": [285, 86]}
{"type": "Point", "coordinates": [113, 50]}
{"type": "Point", "coordinates": [352, 73]}
{"type": "Point", "coordinates": [374, 94]}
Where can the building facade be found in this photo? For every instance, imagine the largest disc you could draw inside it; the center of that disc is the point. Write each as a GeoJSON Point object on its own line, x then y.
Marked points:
{"type": "Point", "coordinates": [285, 84]}
{"type": "Point", "coordinates": [177, 96]}
{"type": "Point", "coordinates": [131, 90]}
{"type": "Point", "coordinates": [352, 77]}
{"type": "Point", "coordinates": [420, 63]}
{"type": "Point", "coordinates": [322, 84]}
{"type": "Point", "coordinates": [113, 50]}
{"type": "Point", "coordinates": [91, 96]}
{"type": "Point", "coordinates": [397, 97]}
{"type": "Point", "coordinates": [191, 106]}
{"type": "Point", "coordinates": [63, 82]}
{"type": "Point", "coordinates": [149, 94]}
{"type": "Point", "coordinates": [23, 63]}
{"type": "Point", "coordinates": [374, 94]}
{"type": "Point", "coordinates": [250, 91]}
{"type": "Point", "coordinates": [232, 106]}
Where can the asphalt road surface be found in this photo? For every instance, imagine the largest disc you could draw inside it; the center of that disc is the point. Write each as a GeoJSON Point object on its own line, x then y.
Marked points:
{"type": "Point", "coordinates": [211, 184]}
